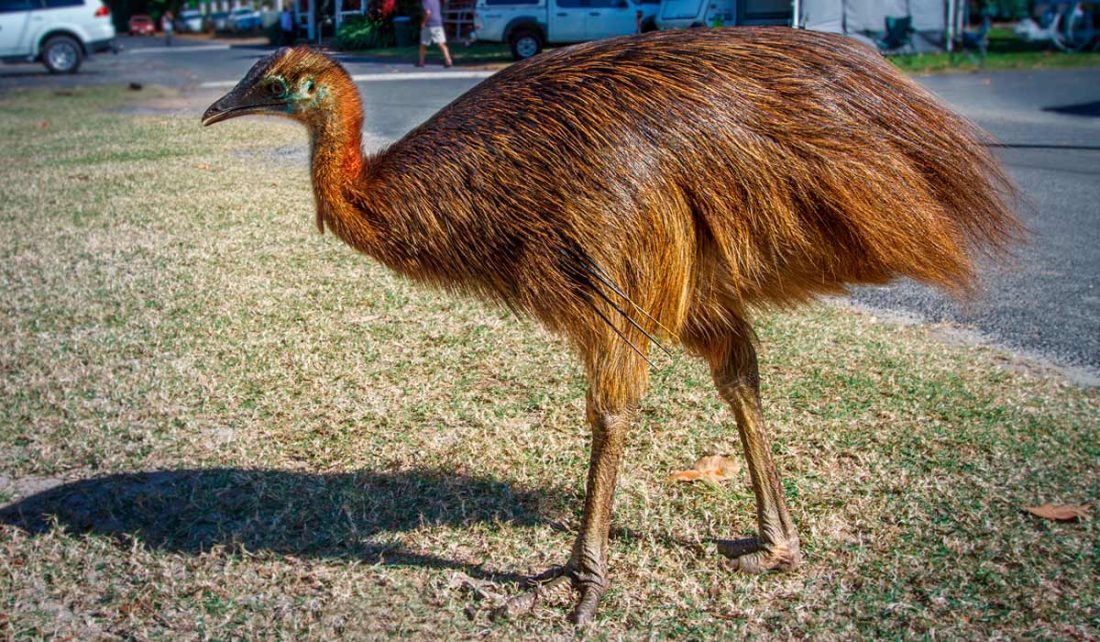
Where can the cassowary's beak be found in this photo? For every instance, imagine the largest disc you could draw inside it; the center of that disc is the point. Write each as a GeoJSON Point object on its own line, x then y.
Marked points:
{"type": "Point", "coordinates": [244, 99]}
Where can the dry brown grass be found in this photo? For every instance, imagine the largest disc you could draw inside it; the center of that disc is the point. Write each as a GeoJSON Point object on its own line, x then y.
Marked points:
{"type": "Point", "coordinates": [331, 451]}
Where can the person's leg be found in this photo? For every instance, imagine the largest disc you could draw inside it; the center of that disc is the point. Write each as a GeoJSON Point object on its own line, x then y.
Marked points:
{"type": "Point", "coordinates": [446, 54]}
{"type": "Point", "coordinates": [425, 40]}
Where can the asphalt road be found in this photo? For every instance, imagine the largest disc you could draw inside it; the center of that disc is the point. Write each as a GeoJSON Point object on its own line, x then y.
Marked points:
{"type": "Point", "coordinates": [1045, 303]}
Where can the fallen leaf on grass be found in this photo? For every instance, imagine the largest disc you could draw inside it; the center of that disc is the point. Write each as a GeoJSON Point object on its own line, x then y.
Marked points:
{"type": "Point", "coordinates": [712, 468]}
{"type": "Point", "coordinates": [1069, 513]}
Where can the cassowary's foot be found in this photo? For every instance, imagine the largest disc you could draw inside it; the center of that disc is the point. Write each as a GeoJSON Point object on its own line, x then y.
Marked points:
{"type": "Point", "coordinates": [753, 555]}
{"type": "Point", "coordinates": [553, 584]}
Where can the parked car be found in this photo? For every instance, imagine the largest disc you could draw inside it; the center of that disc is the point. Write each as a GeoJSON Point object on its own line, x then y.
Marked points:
{"type": "Point", "coordinates": [244, 19]}
{"type": "Point", "coordinates": [141, 26]}
{"type": "Point", "coordinates": [217, 21]}
{"type": "Point", "coordinates": [189, 21]}
{"type": "Point", "coordinates": [527, 26]}
{"type": "Point", "coordinates": [57, 33]}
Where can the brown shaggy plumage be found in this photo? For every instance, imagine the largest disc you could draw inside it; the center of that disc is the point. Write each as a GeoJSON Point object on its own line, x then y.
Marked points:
{"type": "Point", "coordinates": [659, 187]}
{"type": "Point", "coordinates": [704, 172]}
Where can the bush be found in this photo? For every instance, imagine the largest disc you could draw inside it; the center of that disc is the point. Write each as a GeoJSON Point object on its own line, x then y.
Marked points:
{"type": "Point", "coordinates": [363, 32]}
{"type": "Point", "coordinates": [1006, 9]}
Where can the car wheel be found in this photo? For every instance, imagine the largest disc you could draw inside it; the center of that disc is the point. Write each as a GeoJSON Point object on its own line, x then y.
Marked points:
{"type": "Point", "coordinates": [525, 43]}
{"type": "Point", "coordinates": [62, 55]}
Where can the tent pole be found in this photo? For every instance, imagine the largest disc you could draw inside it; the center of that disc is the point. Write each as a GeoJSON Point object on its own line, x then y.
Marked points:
{"type": "Point", "coordinates": [950, 31]}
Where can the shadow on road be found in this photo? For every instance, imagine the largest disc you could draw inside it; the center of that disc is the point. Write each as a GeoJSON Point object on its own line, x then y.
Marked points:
{"type": "Point", "coordinates": [36, 70]}
{"type": "Point", "coordinates": [1085, 148]}
{"type": "Point", "coordinates": [319, 515]}
{"type": "Point", "coordinates": [1080, 109]}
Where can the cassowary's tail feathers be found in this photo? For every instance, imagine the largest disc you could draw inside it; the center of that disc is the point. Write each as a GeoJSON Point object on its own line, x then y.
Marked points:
{"type": "Point", "coordinates": [946, 167]}
{"type": "Point", "coordinates": [898, 185]}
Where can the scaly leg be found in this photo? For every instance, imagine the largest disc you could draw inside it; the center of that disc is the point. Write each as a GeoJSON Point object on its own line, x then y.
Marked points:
{"type": "Point", "coordinates": [611, 405]}
{"type": "Point", "coordinates": [733, 365]}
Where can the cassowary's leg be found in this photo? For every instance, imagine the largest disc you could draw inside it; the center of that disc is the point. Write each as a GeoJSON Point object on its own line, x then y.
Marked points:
{"type": "Point", "coordinates": [615, 387]}
{"type": "Point", "coordinates": [733, 365]}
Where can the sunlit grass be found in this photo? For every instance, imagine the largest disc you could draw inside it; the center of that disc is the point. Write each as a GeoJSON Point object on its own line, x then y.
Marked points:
{"type": "Point", "coordinates": [1005, 51]}
{"type": "Point", "coordinates": [325, 450]}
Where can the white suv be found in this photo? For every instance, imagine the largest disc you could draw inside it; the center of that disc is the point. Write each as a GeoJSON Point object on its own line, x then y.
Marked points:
{"type": "Point", "coordinates": [59, 33]}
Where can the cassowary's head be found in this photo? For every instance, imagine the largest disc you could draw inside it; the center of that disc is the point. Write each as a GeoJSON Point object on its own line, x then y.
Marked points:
{"type": "Point", "coordinates": [297, 83]}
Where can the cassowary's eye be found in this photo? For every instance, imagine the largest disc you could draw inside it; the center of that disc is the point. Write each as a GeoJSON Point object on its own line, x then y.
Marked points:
{"type": "Point", "coordinates": [277, 89]}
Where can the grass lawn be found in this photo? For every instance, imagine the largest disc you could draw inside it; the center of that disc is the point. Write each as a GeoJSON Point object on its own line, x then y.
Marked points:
{"type": "Point", "coordinates": [1006, 51]}
{"type": "Point", "coordinates": [478, 53]}
{"type": "Point", "coordinates": [215, 424]}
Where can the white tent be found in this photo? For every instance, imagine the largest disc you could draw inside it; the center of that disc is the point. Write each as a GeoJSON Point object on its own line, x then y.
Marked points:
{"type": "Point", "coordinates": [934, 21]}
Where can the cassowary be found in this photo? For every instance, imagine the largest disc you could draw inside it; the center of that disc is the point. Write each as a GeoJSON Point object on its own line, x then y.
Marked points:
{"type": "Point", "coordinates": [653, 188]}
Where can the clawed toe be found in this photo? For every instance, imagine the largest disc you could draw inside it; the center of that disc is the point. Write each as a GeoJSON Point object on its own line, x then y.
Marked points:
{"type": "Point", "coordinates": [553, 584]}
{"type": "Point", "coordinates": [586, 606]}
{"type": "Point", "coordinates": [753, 555]}
{"type": "Point", "coordinates": [541, 587]}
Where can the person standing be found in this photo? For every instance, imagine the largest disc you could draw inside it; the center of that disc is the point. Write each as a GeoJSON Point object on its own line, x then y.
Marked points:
{"type": "Point", "coordinates": [286, 25]}
{"type": "Point", "coordinates": [431, 32]}
{"type": "Point", "coordinates": [166, 26]}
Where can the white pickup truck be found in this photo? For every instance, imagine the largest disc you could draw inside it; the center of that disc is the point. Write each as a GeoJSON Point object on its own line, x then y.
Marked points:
{"type": "Point", "coordinates": [529, 25]}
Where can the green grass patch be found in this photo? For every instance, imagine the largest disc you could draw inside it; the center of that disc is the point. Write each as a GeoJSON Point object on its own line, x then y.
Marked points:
{"type": "Point", "coordinates": [216, 424]}
{"type": "Point", "coordinates": [1005, 51]}
{"type": "Point", "coordinates": [478, 53]}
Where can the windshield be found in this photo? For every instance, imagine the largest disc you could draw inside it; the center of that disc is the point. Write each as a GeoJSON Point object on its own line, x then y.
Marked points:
{"type": "Point", "coordinates": [680, 9]}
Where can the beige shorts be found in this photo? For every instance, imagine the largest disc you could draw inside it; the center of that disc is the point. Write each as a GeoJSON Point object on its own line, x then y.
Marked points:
{"type": "Point", "coordinates": [432, 36]}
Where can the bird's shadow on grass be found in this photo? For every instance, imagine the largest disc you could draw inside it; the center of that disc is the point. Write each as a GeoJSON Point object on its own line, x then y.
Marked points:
{"type": "Point", "coordinates": [290, 513]}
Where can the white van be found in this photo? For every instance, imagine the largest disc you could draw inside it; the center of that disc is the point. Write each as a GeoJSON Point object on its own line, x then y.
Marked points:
{"type": "Point", "coordinates": [679, 14]}
{"type": "Point", "coordinates": [58, 33]}
{"type": "Point", "coordinates": [528, 25]}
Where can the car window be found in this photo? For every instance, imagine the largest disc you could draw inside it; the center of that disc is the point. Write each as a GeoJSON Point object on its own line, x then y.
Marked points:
{"type": "Point", "coordinates": [11, 6]}
{"type": "Point", "coordinates": [572, 4]}
{"type": "Point", "coordinates": [605, 4]}
{"type": "Point", "coordinates": [491, 3]}
{"type": "Point", "coordinates": [57, 4]}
